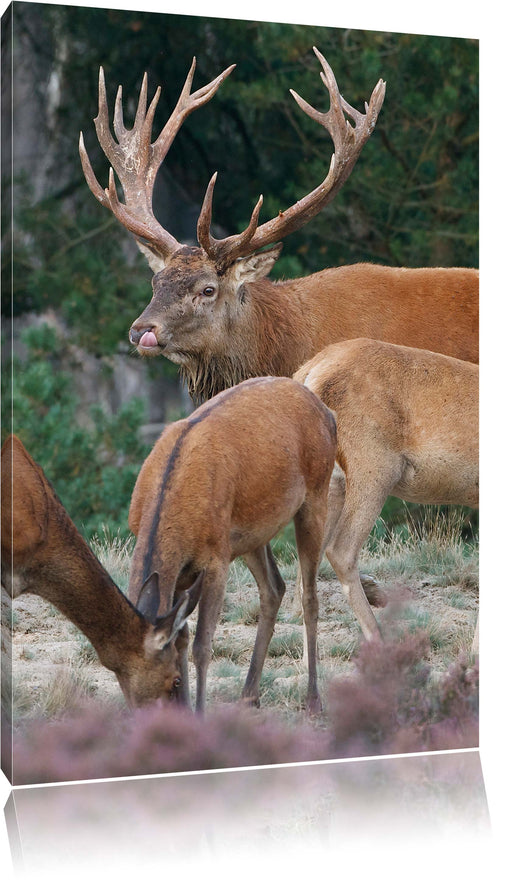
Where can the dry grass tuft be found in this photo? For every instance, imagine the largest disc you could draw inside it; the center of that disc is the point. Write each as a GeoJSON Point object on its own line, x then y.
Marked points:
{"type": "Point", "coordinates": [434, 547]}
{"type": "Point", "coordinates": [67, 688]}
{"type": "Point", "coordinates": [115, 553]}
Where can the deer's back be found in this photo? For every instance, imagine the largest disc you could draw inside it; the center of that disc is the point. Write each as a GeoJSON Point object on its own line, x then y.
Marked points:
{"type": "Point", "coordinates": [428, 308]}
{"type": "Point", "coordinates": [247, 456]}
{"type": "Point", "coordinates": [24, 505]}
{"type": "Point", "coordinates": [418, 406]}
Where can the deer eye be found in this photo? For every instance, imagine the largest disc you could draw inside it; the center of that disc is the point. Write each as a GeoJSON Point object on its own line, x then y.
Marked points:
{"type": "Point", "coordinates": [176, 682]}
{"type": "Point", "coordinates": [208, 291]}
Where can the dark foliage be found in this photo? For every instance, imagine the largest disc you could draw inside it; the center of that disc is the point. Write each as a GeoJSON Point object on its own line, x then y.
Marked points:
{"type": "Point", "coordinates": [412, 199]}
{"type": "Point", "coordinates": [92, 459]}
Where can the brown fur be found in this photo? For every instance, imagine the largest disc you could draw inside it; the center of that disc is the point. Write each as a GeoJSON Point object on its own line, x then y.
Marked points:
{"type": "Point", "coordinates": [407, 426]}
{"type": "Point", "coordinates": [220, 484]}
{"type": "Point", "coordinates": [213, 310]}
{"type": "Point", "coordinates": [43, 553]}
{"type": "Point", "coordinates": [252, 326]}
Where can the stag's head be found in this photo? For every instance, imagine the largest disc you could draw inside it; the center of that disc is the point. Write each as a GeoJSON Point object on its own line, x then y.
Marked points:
{"type": "Point", "coordinates": [195, 302]}
{"type": "Point", "coordinates": [199, 293]}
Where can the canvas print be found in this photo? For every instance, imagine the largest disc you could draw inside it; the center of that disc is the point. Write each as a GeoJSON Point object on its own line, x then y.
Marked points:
{"type": "Point", "coordinates": [239, 393]}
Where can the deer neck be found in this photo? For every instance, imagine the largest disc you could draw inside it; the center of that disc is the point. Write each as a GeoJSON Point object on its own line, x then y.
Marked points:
{"type": "Point", "coordinates": [266, 333]}
{"type": "Point", "coordinates": [281, 327]}
{"type": "Point", "coordinates": [76, 583]}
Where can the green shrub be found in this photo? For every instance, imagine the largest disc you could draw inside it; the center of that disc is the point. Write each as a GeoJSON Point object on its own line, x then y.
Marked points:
{"type": "Point", "coordinates": [91, 459]}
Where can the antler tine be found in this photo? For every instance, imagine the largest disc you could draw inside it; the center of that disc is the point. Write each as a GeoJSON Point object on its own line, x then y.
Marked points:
{"type": "Point", "coordinates": [348, 142]}
{"type": "Point", "coordinates": [202, 95]}
{"type": "Point", "coordinates": [140, 113]}
{"type": "Point", "coordinates": [204, 221]}
{"type": "Point", "coordinates": [187, 103]}
{"type": "Point", "coordinates": [136, 161]}
{"type": "Point", "coordinates": [340, 130]}
{"type": "Point", "coordinates": [119, 127]}
{"type": "Point", "coordinates": [90, 177]}
{"type": "Point", "coordinates": [216, 248]}
{"type": "Point", "coordinates": [376, 102]}
{"type": "Point", "coordinates": [101, 121]}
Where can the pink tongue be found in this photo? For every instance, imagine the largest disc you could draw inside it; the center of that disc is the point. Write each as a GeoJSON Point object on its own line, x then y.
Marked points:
{"type": "Point", "coordinates": [148, 339]}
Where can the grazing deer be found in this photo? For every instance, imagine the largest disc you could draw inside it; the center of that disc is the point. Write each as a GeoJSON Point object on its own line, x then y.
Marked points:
{"type": "Point", "coordinates": [214, 311]}
{"type": "Point", "coordinates": [407, 425]}
{"type": "Point", "coordinates": [220, 484]}
{"type": "Point", "coordinates": [43, 553]}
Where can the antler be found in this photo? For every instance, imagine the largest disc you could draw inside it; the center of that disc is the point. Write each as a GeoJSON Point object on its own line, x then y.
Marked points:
{"type": "Point", "coordinates": [348, 142]}
{"type": "Point", "coordinates": [136, 161]}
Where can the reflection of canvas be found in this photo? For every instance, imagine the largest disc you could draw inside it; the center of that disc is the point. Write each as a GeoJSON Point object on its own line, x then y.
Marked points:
{"type": "Point", "coordinates": [313, 817]}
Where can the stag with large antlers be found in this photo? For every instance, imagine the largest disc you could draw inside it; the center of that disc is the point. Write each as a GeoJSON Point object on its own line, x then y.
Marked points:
{"type": "Point", "coordinates": [215, 312]}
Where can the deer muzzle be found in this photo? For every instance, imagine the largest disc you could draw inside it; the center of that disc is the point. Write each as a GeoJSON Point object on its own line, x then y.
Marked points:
{"type": "Point", "coordinates": [144, 339]}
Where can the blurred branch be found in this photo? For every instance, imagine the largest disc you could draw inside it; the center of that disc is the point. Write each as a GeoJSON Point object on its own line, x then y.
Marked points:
{"type": "Point", "coordinates": [110, 222]}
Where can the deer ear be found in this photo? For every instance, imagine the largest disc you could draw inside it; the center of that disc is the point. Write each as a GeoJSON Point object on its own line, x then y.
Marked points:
{"type": "Point", "coordinates": [155, 261]}
{"type": "Point", "coordinates": [148, 601]}
{"type": "Point", "coordinates": [167, 628]}
{"type": "Point", "coordinates": [255, 266]}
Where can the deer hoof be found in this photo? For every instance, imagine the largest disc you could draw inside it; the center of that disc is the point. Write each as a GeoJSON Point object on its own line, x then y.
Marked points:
{"type": "Point", "coordinates": [313, 706]}
{"type": "Point", "coordinates": [250, 701]}
{"type": "Point", "coordinates": [376, 596]}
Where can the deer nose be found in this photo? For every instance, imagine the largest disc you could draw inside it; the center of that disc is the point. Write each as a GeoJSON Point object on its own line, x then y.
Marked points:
{"type": "Point", "coordinates": [145, 336]}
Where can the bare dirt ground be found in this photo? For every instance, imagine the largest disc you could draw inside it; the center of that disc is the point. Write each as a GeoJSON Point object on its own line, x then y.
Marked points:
{"type": "Point", "coordinates": [54, 665]}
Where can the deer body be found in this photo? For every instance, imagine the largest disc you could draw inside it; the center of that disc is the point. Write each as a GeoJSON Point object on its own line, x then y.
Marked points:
{"type": "Point", "coordinates": [220, 484]}
{"type": "Point", "coordinates": [273, 328]}
{"type": "Point", "coordinates": [43, 553]}
{"type": "Point", "coordinates": [214, 311]}
{"type": "Point", "coordinates": [407, 426]}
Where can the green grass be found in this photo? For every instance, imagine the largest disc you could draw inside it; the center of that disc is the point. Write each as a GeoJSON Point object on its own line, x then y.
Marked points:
{"type": "Point", "coordinates": [27, 653]}
{"type": "Point", "coordinates": [226, 668]}
{"type": "Point", "coordinates": [459, 600]}
{"type": "Point", "coordinates": [345, 649]}
{"type": "Point", "coordinates": [434, 548]}
{"type": "Point", "coordinates": [290, 645]}
{"type": "Point", "coordinates": [239, 575]}
{"type": "Point", "coordinates": [85, 652]}
{"type": "Point", "coordinates": [230, 650]}
{"type": "Point", "coordinates": [244, 612]}
{"type": "Point", "coordinates": [443, 603]}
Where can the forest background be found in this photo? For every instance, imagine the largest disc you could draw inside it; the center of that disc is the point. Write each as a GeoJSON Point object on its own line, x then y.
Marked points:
{"type": "Point", "coordinates": [72, 279]}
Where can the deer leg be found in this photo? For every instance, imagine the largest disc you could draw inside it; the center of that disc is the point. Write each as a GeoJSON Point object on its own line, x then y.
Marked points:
{"type": "Point", "coordinates": [345, 537]}
{"type": "Point", "coordinates": [309, 532]}
{"type": "Point", "coordinates": [271, 588]}
{"type": "Point", "coordinates": [183, 696]}
{"type": "Point", "coordinates": [336, 499]}
{"type": "Point", "coordinates": [210, 606]}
